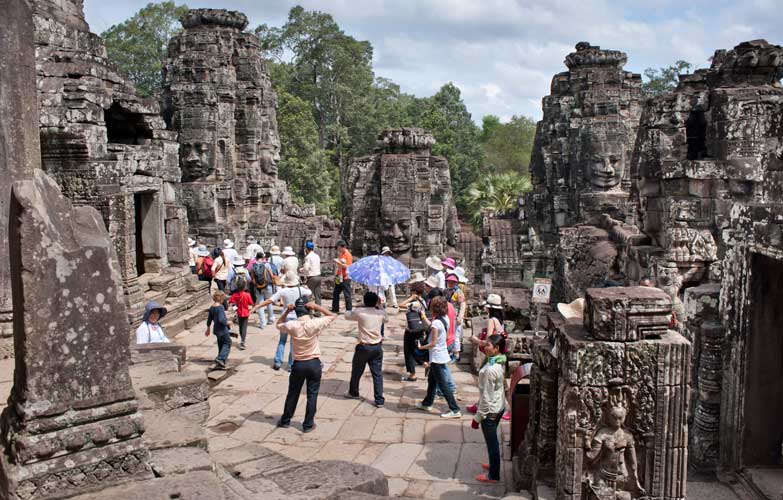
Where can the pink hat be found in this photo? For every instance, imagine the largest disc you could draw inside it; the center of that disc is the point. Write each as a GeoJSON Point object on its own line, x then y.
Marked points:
{"type": "Point", "coordinates": [452, 277]}
{"type": "Point", "coordinates": [449, 262]}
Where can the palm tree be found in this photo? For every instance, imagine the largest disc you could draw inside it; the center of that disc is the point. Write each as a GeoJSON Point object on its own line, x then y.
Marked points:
{"type": "Point", "coordinates": [497, 193]}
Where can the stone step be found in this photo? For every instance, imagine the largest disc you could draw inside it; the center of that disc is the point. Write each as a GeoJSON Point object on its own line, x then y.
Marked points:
{"type": "Point", "coordinates": [159, 297]}
{"type": "Point", "coordinates": [169, 430]}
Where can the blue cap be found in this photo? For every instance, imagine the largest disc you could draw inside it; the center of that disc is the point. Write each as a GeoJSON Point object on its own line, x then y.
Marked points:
{"type": "Point", "coordinates": [309, 245]}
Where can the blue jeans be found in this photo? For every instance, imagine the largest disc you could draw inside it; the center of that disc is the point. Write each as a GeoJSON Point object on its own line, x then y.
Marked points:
{"type": "Point", "coordinates": [262, 295]}
{"type": "Point", "coordinates": [449, 382]}
{"type": "Point", "coordinates": [489, 427]}
{"type": "Point", "coordinates": [224, 347]}
{"type": "Point", "coordinates": [280, 352]}
{"type": "Point", "coordinates": [437, 378]}
{"type": "Point", "coordinates": [365, 355]}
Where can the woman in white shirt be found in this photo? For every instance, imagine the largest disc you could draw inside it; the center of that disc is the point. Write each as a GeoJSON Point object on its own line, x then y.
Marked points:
{"type": "Point", "coordinates": [150, 331]}
{"type": "Point", "coordinates": [439, 357]}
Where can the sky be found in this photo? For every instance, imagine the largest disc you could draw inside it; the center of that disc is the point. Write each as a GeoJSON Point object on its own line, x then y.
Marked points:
{"type": "Point", "coordinates": [502, 54]}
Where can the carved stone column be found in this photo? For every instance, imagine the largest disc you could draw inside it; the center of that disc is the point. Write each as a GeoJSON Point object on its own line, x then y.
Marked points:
{"type": "Point", "coordinates": [622, 399]}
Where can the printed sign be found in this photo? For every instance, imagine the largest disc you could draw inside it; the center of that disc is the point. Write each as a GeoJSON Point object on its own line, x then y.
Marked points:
{"type": "Point", "coordinates": [541, 289]}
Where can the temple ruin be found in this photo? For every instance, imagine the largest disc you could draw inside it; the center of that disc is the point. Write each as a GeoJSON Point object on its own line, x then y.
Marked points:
{"type": "Point", "coordinates": [631, 390]}
{"type": "Point", "coordinates": [408, 190]}
{"type": "Point", "coordinates": [219, 100]}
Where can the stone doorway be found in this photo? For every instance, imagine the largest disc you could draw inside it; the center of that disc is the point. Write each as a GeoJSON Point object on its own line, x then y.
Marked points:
{"type": "Point", "coordinates": [146, 230]}
{"type": "Point", "coordinates": [763, 429]}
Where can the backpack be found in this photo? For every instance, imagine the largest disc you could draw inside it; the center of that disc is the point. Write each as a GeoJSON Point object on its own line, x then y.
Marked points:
{"type": "Point", "coordinates": [414, 321]}
{"type": "Point", "coordinates": [208, 261]}
{"type": "Point", "coordinates": [261, 275]}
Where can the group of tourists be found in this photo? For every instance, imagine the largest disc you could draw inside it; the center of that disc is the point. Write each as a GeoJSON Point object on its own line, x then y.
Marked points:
{"type": "Point", "coordinates": [434, 313]}
{"type": "Point", "coordinates": [434, 316]}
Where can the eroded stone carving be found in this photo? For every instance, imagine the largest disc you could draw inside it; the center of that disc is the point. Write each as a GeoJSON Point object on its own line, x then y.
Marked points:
{"type": "Point", "coordinates": [401, 197]}
{"type": "Point", "coordinates": [220, 101]}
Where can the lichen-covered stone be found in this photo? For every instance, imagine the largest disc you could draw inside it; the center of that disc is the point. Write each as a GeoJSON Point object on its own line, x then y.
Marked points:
{"type": "Point", "coordinates": [72, 405]}
{"type": "Point", "coordinates": [627, 313]}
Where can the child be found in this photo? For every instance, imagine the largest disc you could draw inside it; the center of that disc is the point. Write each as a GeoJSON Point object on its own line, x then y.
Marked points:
{"type": "Point", "coordinates": [242, 301]}
{"type": "Point", "coordinates": [217, 315]}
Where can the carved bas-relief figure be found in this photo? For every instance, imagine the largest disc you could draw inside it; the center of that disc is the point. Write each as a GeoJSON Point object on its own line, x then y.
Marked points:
{"type": "Point", "coordinates": [611, 459]}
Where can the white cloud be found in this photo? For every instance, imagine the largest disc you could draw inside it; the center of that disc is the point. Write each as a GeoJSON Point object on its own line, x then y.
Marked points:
{"type": "Point", "coordinates": [503, 53]}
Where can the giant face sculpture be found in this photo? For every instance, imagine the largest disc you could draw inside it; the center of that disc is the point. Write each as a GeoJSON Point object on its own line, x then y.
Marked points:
{"type": "Point", "coordinates": [602, 156]}
{"type": "Point", "coordinates": [195, 160]}
{"type": "Point", "coordinates": [396, 231]}
{"type": "Point", "coordinates": [268, 160]}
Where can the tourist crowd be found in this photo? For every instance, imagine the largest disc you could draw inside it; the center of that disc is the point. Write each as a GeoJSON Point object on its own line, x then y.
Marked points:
{"type": "Point", "coordinates": [257, 281]}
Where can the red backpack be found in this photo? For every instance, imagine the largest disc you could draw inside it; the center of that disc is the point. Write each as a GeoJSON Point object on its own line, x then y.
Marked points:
{"type": "Point", "coordinates": [208, 261]}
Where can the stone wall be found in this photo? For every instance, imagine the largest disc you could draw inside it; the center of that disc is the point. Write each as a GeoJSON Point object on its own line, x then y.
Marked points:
{"type": "Point", "coordinates": [219, 99]}
{"type": "Point", "coordinates": [105, 146]}
{"type": "Point", "coordinates": [400, 197]}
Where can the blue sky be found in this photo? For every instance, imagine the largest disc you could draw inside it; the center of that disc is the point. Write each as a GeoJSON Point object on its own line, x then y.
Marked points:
{"type": "Point", "coordinates": [502, 54]}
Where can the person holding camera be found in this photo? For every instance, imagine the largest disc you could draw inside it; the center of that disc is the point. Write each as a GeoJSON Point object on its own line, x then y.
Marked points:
{"type": "Point", "coordinates": [304, 331]}
{"type": "Point", "coordinates": [291, 293]}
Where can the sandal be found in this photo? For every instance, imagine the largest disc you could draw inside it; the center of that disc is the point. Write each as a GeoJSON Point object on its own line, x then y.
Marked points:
{"type": "Point", "coordinates": [482, 478]}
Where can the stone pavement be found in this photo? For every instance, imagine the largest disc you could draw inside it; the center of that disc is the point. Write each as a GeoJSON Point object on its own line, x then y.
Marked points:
{"type": "Point", "coordinates": [422, 455]}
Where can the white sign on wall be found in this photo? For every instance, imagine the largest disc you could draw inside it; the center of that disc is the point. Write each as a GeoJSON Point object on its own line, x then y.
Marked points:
{"type": "Point", "coordinates": [541, 289]}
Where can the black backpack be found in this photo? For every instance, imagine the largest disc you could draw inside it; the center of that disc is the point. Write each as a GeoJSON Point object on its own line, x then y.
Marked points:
{"type": "Point", "coordinates": [415, 323]}
{"type": "Point", "coordinates": [261, 275]}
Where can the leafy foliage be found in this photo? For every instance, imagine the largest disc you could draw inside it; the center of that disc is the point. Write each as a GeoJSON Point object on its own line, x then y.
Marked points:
{"type": "Point", "coordinates": [508, 146]}
{"type": "Point", "coordinates": [138, 45]}
{"type": "Point", "coordinates": [497, 193]}
{"type": "Point", "coordinates": [662, 80]}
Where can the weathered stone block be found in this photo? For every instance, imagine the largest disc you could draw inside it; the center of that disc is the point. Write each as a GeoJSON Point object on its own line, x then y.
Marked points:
{"type": "Point", "coordinates": [627, 313]}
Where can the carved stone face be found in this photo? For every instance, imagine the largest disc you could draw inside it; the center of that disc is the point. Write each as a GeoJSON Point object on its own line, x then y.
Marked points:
{"type": "Point", "coordinates": [195, 160]}
{"type": "Point", "coordinates": [396, 232]}
{"type": "Point", "coordinates": [616, 418]}
{"type": "Point", "coordinates": [604, 171]}
{"type": "Point", "coordinates": [268, 160]}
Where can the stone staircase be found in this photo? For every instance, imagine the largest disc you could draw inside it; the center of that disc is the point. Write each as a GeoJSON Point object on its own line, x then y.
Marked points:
{"type": "Point", "coordinates": [186, 298]}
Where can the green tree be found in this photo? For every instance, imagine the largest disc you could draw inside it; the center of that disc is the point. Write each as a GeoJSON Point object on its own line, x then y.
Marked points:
{"type": "Point", "coordinates": [488, 126]}
{"type": "Point", "coordinates": [497, 193]}
{"type": "Point", "coordinates": [306, 168]}
{"type": "Point", "coordinates": [138, 45]}
{"type": "Point", "coordinates": [508, 146]}
{"type": "Point", "coordinates": [662, 80]}
{"type": "Point", "coordinates": [456, 136]}
{"type": "Point", "coordinates": [328, 69]}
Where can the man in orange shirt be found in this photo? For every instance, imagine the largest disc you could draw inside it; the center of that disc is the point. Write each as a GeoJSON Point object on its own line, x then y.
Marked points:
{"type": "Point", "coordinates": [304, 332]}
{"type": "Point", "coordinates": [342, 282]}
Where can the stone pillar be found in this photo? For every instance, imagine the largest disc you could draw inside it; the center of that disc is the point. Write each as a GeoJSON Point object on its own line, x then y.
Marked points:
{"type": "Point", "coordinates": [19, 138]}
{"type": "Point", "coordinates": [622, 399]}
{"type": "Point", "coordinates": [72, 421]}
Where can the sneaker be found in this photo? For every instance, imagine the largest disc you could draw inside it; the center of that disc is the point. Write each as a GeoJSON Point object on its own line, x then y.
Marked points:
{"type": "Point", "coordinates": [309, 429]}
{"type": "Point", "coordinates": [451, 414]}
{"type": "Point", "coordinates": [379, 405]}
{"type": "Point", "coordinates": [420, 406]}
{"type": "Point", "coordinates": [242, 347]}
{"type": "Point", "coordinates": [348, 395]}
{"type": "Point", "coordinates": [282, 425]}
{"type": "Point", "coordinates": [220, 363]}
{"type": "Point", "coordinates": [408, 378]}
{"type": "Point", "coordinates": [275, 366]}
